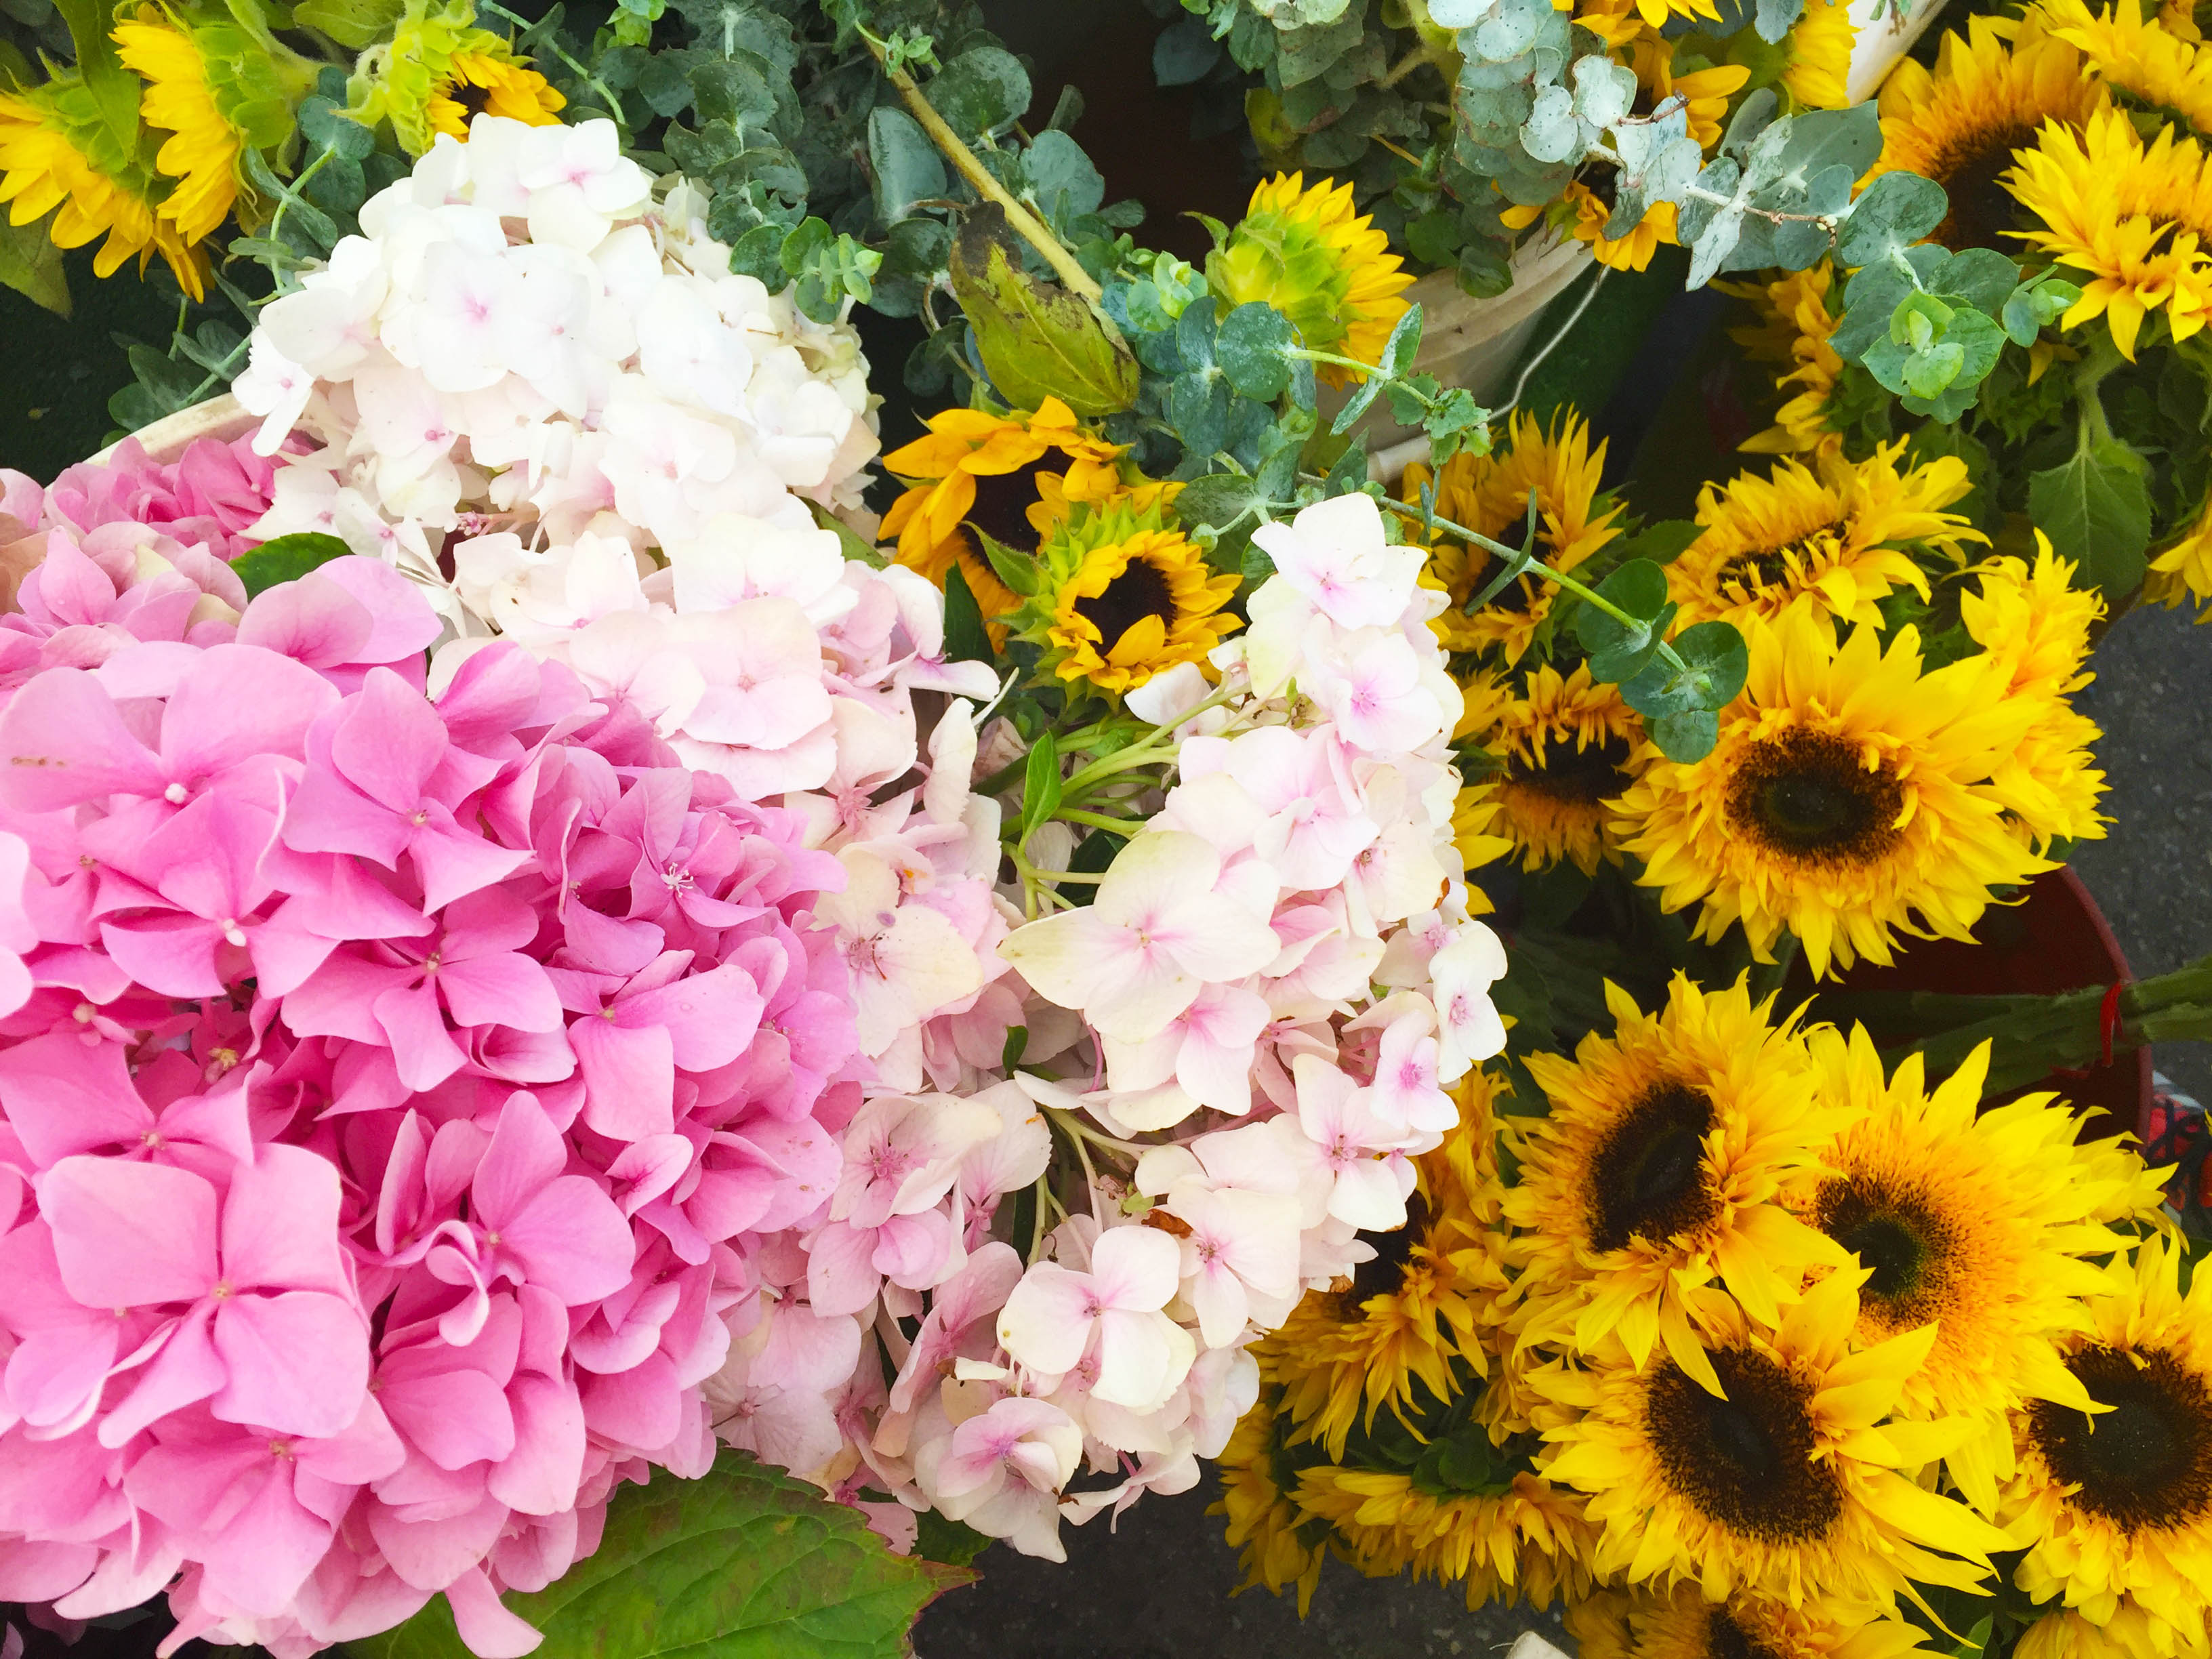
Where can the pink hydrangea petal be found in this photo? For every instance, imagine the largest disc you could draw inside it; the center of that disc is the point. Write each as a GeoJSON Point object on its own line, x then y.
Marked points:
{"type": "Point", "coordinates": [129, 1235]}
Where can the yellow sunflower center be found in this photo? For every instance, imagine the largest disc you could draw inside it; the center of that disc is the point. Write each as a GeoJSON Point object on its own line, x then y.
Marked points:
{"type": "Point", "coordinates": [1138, 592]}
{"type": "Point", "coordinates": [2147, 1461]}
{"type": "Point", "coordinates": [1647, 1178]}
{"type": "Point", "coordinates": [1581, 777]}
{"type": "Point", "coordinates": [1969, 170]}
{"type": "Point", "coordinates": [1806, 794]}
{"type": "Point", "coordinates": [1899, 1237]}
{"type": "Point", "coordinates": [1002, 500]}
{"type": "Point", "coordinates": [1746, 1462]}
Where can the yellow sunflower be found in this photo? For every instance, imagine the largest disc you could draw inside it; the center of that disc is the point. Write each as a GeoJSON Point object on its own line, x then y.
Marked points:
{"type": "Point", "coordinates": [2115, 1507]}
{"type": "Point", "coordinates": [2133, 218]}
{"type": "Point", "coordinates": [1976, 1224]}
{"type": "Point", "coordinates": [57, 156]}
{"type": "Point", "coordinates": [1568, 746]}
{"type": "Point", "coordinates": [1780, 1478]}
{"type": "Point", "coordinates": [1530, 1541]}
{"type": "Point", "coordinates": [1846, 799]}
{"type": "Point", "coordinates": [1962, 125]}
{"type": "Point", "coordinates": [2139, 57]}
{"type": "Point", "coordinates": [1705, 92]}
{"type": "Point", "coordinates": [1793, 329]}
{"type": "Point", "coordinates": [1829, 538]}
{"type": "Point", "coordinates": [2183, 572]}
{"type": "Point", "coordinates": [1277, 1544]}
{"type": "Point", "coordinates": [1820, 51]}
{"type": "Point", "coordinates": [1127, 598]}
{"type": "Point", "coordinates": [1662, 1171]}
{"type": "Point", "coordinates": [490, 83]}
{"type": "Point", "coordinates": [1410, 1313]}
{"type": "Point", "coordinates": [1583, 211]}
{"type": "Point", "coordinates": [1489, 494]}
{"type": "Point", "coordinates": [1684, 1625]}
{"type": "Point", "coordinates": [202, 150]}
{"type": "Point", "coordinates": [2035, 624]}
{"type": "Point", "coordinates": [976, 468]}
{"type": "Point", "coordinates": [1306, 252]}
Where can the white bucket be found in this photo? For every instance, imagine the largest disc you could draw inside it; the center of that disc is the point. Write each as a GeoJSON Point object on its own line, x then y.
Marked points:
{"type": "Point", "coordinates": [167, 439]}
{"type": "Point", "coordinates": [1886, 30]}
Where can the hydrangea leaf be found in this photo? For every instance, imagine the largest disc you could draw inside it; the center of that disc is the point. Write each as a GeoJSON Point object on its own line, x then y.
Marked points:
{"type": "Point", "coordinates": [286, 559]}
{"type": "Point", "coordinates": [746, 1563]}
{"type": "Point", "coordinates": [1036, 339]}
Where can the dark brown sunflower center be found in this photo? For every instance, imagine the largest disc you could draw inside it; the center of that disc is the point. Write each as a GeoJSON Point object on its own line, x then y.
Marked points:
{"type": "Point", "coordinates": [1138, 592]}
{"type": "Point", "coordinates": [1981, 207]}
{"type": "Point", "coordinates": [1647, 1177]}
{"type": "Point", "coordinates": [1745, 1461]}
{"type": "Point", "coordinates": [1582, 776]}
{"type": "Point", "coordinates": [2146, 1462]}
{"type": "Point", "coordinates": [473, 99]}
{"type": "Point", "coordinates": [1384, 1275]}
{"type": "Point", "coordinates": [1899, 1238]}
{"type": "Point", "coordinates": [1805, 794]}
{"type": "Point", "coordinates": [1726, 1639]}
{"type": "Point", "coordinates": [1002, 500]}
{"type": "Point", "coordinates": [1769, 567]}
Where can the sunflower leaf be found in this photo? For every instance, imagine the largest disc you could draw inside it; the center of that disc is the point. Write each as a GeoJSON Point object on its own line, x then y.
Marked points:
{"type": "Point", "coordinates": [2096, 510]}
{"type": "Point", "coordinates": [31, 265]}
{"type": "Point", "coordinates": [1041, 783]}
{"type": "Point", "coordinates": [1036, 339]}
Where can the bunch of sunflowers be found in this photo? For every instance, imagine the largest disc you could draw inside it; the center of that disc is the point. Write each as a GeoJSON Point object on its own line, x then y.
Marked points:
{"type": "Point", "coordinates": [1733, 1332]}
{"type": "Point", "coordinates": [175, 121]}
{"type": "Point", "coordinates": [1746, 1345]}
{"type": "Point", "coordinates": [2072, 135]}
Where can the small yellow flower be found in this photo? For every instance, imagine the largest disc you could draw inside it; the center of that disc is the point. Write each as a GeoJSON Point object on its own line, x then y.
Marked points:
{"type": "Point", "coordinates": [1829, 537]}
{"type": "Point", "coordinates": [1138, 599]}
{"type": "Point", "coordinates": [1305, 252]}
{"type": "Point", "coordinates": [54, 158]}
{"type": "Point", "coordinates": [1568, 746]}
{"type": "Point", "coordinates": [1795, 329]}
{"type": "Point", "coordinates": [481, 83]}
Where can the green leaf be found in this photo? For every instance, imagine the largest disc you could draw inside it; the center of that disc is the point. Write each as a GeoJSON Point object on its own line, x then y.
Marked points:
{"type": "Point", "coordinates": [744, 1563]}
{"type": "Point", "coordinates": [982, 91]}
{"type": "Point", "coordinates": [1898, 209]}
{"type": "Point", "coordinates": [936, 1539]}
{"type": "Point", "coordinates": [1215, 502]}
{"type": "Point", "coordinates": [1715, 663]}
{"type": "Point", "coordinates": [286, 559]}
{"type": "Point", "coordinates": [1041, 784]}
{"type": "Point", "coordinates": [2096, 510]}
{"type": "Point", "coordinates": [907, 167]}
{"type": "Point", "coordinates": [1036, 339]}
{"type": "Point", "coordinates": [1687, 737]}
{"type": "Point", "coordinates": [326, 126]}
{"type": "Point", "coordinates": [31, 265]}
{"type": "Point", "coordinates": [1617, 650]}
{"type": "Point", "coordinates": [352, 24]}
{"type": "Point", "coordinates": [1251, 347]}
{"type": "Point", "coordinates": [114, 89]}
{"type": "Point", "coordinates": [966, 639]}
{"type": "Point", "coordinates": [1404, 345]}
{"type": "Point", "coordinates": [1185, 51]}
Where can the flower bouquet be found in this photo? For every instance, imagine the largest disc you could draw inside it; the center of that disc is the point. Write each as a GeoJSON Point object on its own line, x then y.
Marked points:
{"type": "Point", "coordinates": [606, 1028]}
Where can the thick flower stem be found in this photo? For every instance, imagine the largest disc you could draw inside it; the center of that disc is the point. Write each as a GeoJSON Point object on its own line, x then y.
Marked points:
{"type": "Point", "coordinates": [1024, 223]}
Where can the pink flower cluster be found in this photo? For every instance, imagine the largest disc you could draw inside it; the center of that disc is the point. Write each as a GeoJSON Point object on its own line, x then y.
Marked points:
{"type": "Point", "coordinates": [403, 1103]}
{"type": "Point", "coordinates": [122, 551]}
{"type": "Point", "coordinates": [1241, 1041]}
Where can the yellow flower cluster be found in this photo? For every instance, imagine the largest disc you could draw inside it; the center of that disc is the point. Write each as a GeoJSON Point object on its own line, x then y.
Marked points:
{"type": "Point", "coordinates": [210, 88]}
{"type": "Point", "coordinates": [1761, 1347]}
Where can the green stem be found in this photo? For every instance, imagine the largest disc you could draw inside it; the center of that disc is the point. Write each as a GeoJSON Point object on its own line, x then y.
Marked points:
{"type": "Point", "coordinates": [1100, 821]}
{"type": "Point", "coordinates": [1019, 219]}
